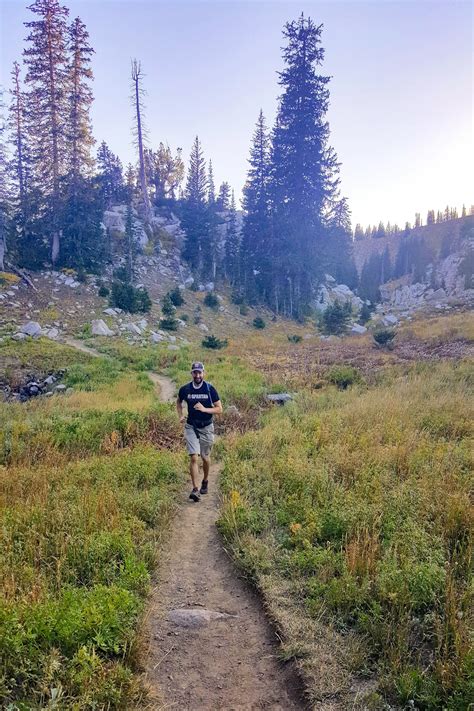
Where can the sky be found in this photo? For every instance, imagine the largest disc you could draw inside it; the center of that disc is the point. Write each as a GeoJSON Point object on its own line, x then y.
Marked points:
{"type": "Point", "coordinates": [401, 93]}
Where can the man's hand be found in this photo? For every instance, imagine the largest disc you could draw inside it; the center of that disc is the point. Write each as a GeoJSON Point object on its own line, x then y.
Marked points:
{"type": "Point", "coordinates": [199, 406]}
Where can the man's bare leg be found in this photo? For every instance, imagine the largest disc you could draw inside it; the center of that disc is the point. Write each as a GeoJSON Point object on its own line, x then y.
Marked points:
{"type": "Point", "coordinates": [194, 469]}
{"type": "Point", "coordinates": [206, 463]}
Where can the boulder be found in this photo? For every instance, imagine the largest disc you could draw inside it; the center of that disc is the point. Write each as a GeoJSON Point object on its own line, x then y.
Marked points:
{"type": "Point", "coordinates": [156, 337]}
{"type": "Point", "coordinates": [32, 328]}
{"type": "Point", "coordinates": [390, 320]}
{"type": "Point", "coordinates": [19, 336]}
{"type": "Point", "coordinates": [202, 327]}
{"type": "Point", "coordinates": [132, 328]}
{"type": "Point", "coordinates": [357, 328]}
{"type": "Point", "coordinates": [52, 333]}
{"type": "Point", "coordinates": [100, 328]}
{"type": "Point", "coordinates": [172, 347]}
{"type": "Point", "coordinates": [280, 398]}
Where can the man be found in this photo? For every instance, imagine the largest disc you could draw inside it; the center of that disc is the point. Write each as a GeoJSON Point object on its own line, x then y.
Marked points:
{"type": "Point", "coordinates": [203, 402]}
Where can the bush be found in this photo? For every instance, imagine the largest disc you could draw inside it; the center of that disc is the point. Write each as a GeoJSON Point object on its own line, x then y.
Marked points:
{"type": "Point", "coordinates": [176, 297]}
{"type": "Point", "coordinates": [343, 376]}
{"type": "Point", "coordinates": [169, 323]}
{"type": "Point", "coordinates": [103, 291]}
{"type": "Point", "coordinates": [243, 310]}
{"type": "Point", "coordinates": [335, 319]}
{"type": "Point", "coordinates": [214, 342]}
{"type": "Point", "coordinates": [365, 313]}
{"type": "Point", "coordinates": [294, 338]}
{"type": "Point", "coordinates": [168, 307]}
{"type": "Point", "coordinates": [211, 300]}
{"type": "Point", "coordinates": [384, 337]}
{"type": "Point", "coordinates": [184, 317]}
{"type": "Point", "coordinates": [258, 322]}
{"type": "Point", "coordinates": [127, 297]}
{"type": "Point", "coordinates": [237, 298]}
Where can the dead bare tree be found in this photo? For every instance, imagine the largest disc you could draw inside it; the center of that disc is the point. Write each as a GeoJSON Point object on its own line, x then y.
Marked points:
{"type": "Point", "coordinates": [140, 132]}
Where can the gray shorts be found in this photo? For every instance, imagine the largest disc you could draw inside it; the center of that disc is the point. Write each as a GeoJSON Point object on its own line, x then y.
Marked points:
{"type": "Point", "coordinates": [201, 445]}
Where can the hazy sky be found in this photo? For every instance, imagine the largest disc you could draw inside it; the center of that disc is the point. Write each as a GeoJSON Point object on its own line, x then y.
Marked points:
{"type": "Point", "coordinates": [401, 90]}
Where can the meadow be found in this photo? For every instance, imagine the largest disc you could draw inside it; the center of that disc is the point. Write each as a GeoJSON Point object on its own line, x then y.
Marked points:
{"type": "Point", "coordinates": [351, 511]}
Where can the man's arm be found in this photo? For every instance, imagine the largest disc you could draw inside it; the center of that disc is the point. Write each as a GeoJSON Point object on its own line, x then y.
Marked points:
{"type": "Point", "coordinates": [215, 410]}
{"type": "Point", "coordinates": [179, 410]}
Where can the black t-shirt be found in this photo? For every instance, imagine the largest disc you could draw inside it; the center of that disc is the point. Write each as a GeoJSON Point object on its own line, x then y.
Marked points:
{"type": "Point", "coordinates": [193, 395]}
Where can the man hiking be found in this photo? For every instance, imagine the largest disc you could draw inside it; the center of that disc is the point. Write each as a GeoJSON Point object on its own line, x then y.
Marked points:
{"type": "Point", "coordinates": [203, 402]}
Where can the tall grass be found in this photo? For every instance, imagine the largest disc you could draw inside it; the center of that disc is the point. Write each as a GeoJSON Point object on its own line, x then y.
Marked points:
{"type": "Point", "coordinates": [362, 500]}
{"type": "Point", "coordinates": [87, 488]}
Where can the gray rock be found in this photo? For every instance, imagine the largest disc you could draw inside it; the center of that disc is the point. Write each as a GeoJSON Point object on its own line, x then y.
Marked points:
{"type": "Point", "coordinates": [209, 286]}
{"type": "Point", "coordinates": [197, 617]}
{"type": "Point", "coordinates": [49, 380]}
{"type": "Point", "coordinates": [60, 388]}
{"type": "Point", "coordinates": [280, 398]}
{"type": "Point", "coordinates": [172, 347]}
{"type": "Point", "coordinates": [132, 328]}
{"type": "Point", "coordinates": [52, 333]}
{"type": "Point", "coordinates": [390, 320]}
{"type": "Point", "coordinates": [100, 328]}
{"type": "Point", "coordinates": [156, 337]}
{"type": "Point", "coordinates": [357, 328]}
{"type": "Point", "coordinates": [19, 336]}
{"type": "Point", "coordinates": [32, 328]}
{"type": "Point", "coordinates": [202, 327]}
{"type": "Point", "coordinates": [172, 339]}
{"type": "Point", "coordinates": [110, 312]}
{"type": "Point", "coordinates": [232, 409]}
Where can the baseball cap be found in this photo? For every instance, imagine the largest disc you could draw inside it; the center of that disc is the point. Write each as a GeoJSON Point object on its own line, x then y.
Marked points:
{"type": "Point", "coordinates": [197, 366]}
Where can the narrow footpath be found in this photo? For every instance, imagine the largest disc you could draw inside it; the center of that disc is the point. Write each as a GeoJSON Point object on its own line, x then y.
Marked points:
{"type": "Point", "coordinates": [208, 643]}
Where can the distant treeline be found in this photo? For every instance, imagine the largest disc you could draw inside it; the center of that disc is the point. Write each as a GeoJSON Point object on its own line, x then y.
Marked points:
{"type": "Point", "coordinates": [388, 230]}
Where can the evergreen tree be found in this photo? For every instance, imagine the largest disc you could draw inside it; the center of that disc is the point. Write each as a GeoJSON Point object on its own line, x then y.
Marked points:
{"type": "Point", "coordinates": [358, 233]}
{"type": "Point", "coordinates": [256, 257]}
{"type": "Point", "coordinates": [79, 130]}
{"type": "Point", "coordinates": [223, 198]}
{"type": "Point", "coordinates": [164, 172]}
{"type": "Point", "coordinates": [417, 219]}
{"type": "Point", "coordinates": [195, 214]}
{"type": "Point", "coordinates": [370, 279]}
{"type": "Point", "coordinates": [211, 188]}
{"type": "Point", "coordinates": [463, 213]}
{"type": "Point", "coordinates": [385, 267]}
{"type": "Point", "coordinates": [47, 79]}
{"type": "Point", "coordinates": [340, 261]}
{"type": "Point", "coordinates": [109, 176]}
{"type": "Point", "coordinates": [232, 246]}
{"type": "Point", "coordinates": [380, 231]}
{"type": "Point", "coordinates": [430, 218]}
{"type": "Point", "coordinates": [210, 244]}
{"type": "Point", "coordinates": [304, 169]}
{"type": "Point", "coordinates": [4, 197]}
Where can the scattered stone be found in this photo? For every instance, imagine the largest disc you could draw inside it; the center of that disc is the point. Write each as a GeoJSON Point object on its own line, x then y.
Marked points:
{"type": "Point", "coordinates": [197, 617]}
{"type": "Point", "coordinates": [61, 388]}
{"type": "Point", "coordinates": [156, 337]}
{"type": "Point", "coordinates": [132, 328]}
{"type": "Point", "coordinates": [52, 333]}
{"type": "Point", "coordinates": [357, 328]}
{"type": "Point", "coordinates": [280, 398]}
{"type": "Point", "coordinates": [19, 336]}
{"type": "Point", "coordinates": [172, 347]}
{"type": "Point", "coordinates": [100, 328]}
{"type": "Point", "coordinates": [172, 339]}
{"type": "Point", "coordinates": [202, 327]}
{"type": "Point", "coordinates": [110, 312]}
{"type": "Point", "coordinates": [32, 328]}
{"type": "Point", "coordinates": [49, 380]}
{"type": "Point", "coordinates": [390, 320]}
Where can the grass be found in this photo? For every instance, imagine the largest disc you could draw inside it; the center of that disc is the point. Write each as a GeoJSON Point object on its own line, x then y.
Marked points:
{"type": "Point", "coordinates": [353, 507]}
{"type": "Point", "coordinates": [88, 483]}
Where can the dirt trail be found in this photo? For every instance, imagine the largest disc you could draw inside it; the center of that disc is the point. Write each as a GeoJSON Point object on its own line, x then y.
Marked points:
{"type": "Point", "coordinates": [165, 386]}
{"type": "Point", "coordinates": [209, 646]}
{"type": "Point", "coordinates": [225, 663]}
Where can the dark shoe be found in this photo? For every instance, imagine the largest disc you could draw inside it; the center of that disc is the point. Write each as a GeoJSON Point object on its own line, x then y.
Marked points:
{"type": "Point", "coordinates": [194, 495]}
{"type": "Point", "coordinates": [203, 489]}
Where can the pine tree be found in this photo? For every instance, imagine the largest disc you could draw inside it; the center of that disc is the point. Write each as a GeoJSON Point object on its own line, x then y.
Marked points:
{"type": "Point", "coordinates": [232, 246]}
{"type": "Point", "coordinates": [164, 172]}
{"type": "Point", "coordinates": [195, 214]}
{"type": "Point", "coordinates": [4, 196]}
{"type": "Point", "coordinates": [109, 176]}
{"type": "Point", "coordinates": [256, 257]}
{"type": "Point", "coordinates": [46, 79]}
{"type": "Point", "coordinates": [370, 279]}
{"type": "Point", "coordinates": [358, 233]}
{"type": "Point", "coordinates": [380, 231]}
{"type": "Point", "coordinates": [463, 213]}
{"type": "Point", "coordinates": [430, 217]}
{"type": "Point", "coordinates": [417, 219]}
{"type": "Point", "coordinates": [140, 133]}
{"type": "Point", "coordinates": [223, 198]}
{"type": "Point", "coordinates": [211, 188]}
{"type": "Point", "coordinates": [304, 168]}
{"type": "Point", "coordinates": [79, 130]}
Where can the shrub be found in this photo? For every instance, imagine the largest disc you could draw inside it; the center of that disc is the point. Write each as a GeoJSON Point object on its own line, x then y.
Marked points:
{"type": "Point", "coordinates": [211, 300]}
{"type": "Point", "coordinates": [237, 298]}
{"type": "Point", "coordinates": [125, 296]}
{"type": "Point", "coordinates": [169, 323]}
{"type": "Point", "coordinates": [184, 317]}
{"type": "Point", "coordinates": [258, 322]}
{"type": "Point", "coordinates": [168, 307]}
{"type": "Point", "coordinates": [243, 310]}
{"type": "Point", "coordinates": [335, 319]}
{"type": "Point", "coordinates": [343, 376]}
{"type": "Point", "coordinates": [103, 291]}
{"type": "Point", "coordinates": [384, 337]}
{"type": "Point", "coordinates": [176, 297]}
{"type": "Point", "coordinates": [294, 338]}
{"type": "Point", "coordinates": [365, 313]}
{"type": "Point", "coordinates": [214, 342]}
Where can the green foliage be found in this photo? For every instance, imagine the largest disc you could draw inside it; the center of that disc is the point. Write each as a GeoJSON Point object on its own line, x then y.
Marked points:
{"type": "Point", "coordinates": [365, 313]}
{"type": "Point", "coordinates": [168, 307]}
{"type": "Point", "coordinates": [295, 338]}
{"type": "Point", "coordinates": [258, 322]}
{"type": "Point", "coordinates": [176, 297]}
{"type": "Point", "coordinates": [184, 317]}
{"type": "Point", "coordinates": [384, 337]}
{"type": "Point", "coordinates": [125, 296]}
{"type": "Point", "coordinates": [237, 298]}
{"type": "Point", "coordinates": [169, 323]}
{"type": "Point", "coordinates": [103, 290]}
{"type": "Point", "coordinates": [213, 342]}
{"type": "Point", "coordinates": [243, 309]}
{"type": "Point", "coordinates": [343, 376]}
{"type": "Point", "coordinates": [211, 300]}
{"type": "Point", "coordinates": [335, 319]}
